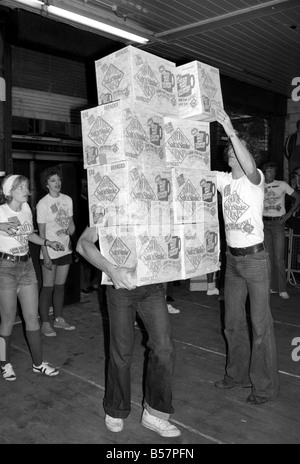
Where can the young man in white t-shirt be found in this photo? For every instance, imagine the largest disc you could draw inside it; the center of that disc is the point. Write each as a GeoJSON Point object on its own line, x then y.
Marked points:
{"type": "Point", "coordinates": [247, 272]}
{"type": "Point", "coordinates": [275, 217]}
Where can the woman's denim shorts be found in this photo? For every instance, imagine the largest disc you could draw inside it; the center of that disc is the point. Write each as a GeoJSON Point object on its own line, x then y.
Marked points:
{"type": "Point", "coordinates": [15, 274]}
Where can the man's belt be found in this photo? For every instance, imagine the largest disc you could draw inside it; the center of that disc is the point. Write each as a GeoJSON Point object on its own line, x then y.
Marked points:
{"type": "Point", "coordinates": [271, 218]}
{"type": "Point", "coordinates": [15, 258]}
{"type": "Point", "coordinates": [251, 250]}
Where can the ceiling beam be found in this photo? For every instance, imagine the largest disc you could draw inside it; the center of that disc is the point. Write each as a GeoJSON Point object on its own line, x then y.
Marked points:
{"type": "Point", "coordinates": [234, 17]}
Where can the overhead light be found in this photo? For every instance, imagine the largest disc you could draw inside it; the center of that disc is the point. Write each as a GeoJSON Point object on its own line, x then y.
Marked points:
{"type": "Point", "coordinates": [51, 10]}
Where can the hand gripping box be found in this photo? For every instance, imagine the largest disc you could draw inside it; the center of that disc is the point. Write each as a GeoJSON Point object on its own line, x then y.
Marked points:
{"type": "Point", "coordinates": [127, 193]}
{"type": "Point", "coordinates": [116, 131]}
{"type": "Point", "coordinates": [199, 91]}
{"type": "Point", "coordinates": [187, 143]}
{"type": "Point", "coordinates": [161, 253]}
{"type": "Point", "coordinates": [194, 196]}
{"type": "Point", "coordinates": [135, 76]}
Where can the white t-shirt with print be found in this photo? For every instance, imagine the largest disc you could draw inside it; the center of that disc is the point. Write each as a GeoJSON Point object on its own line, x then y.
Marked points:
{"type": "Point", "coordinates": [16, 244]}
{"type": "Point", "coordinates": [56, 214]}
{"type": "Point", "coordinates": [242, 204]}
{"type": "Point", "coordinates": [274, 204]}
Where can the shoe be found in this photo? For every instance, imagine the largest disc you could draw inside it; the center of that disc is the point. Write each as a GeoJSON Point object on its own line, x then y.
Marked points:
{"type": "Point", "coordinates": [273, 291]}
{"type": "Point", "coordinates": [172, 310]}
{"type": "Point", "coordinates": [284, 295]}
{"type": "Point", "coordinates": [60, 323]}
{"type": "Point", "coordinates": [224, 385]}
{"type": "Point", "coordinates": [114, 424]}
{"type": "Point", "coordinates": [252, 399]}
{"type": "Point", "coordinates": [160, 426]}
{"type": "Point", "coordinates": [45, 369]}
{"type": "Point", "coordinates": [48, 330]}
{"type": "Point", "coordinates": [8, 373]}
{"type": "Point", "coordinates": [213, 291]}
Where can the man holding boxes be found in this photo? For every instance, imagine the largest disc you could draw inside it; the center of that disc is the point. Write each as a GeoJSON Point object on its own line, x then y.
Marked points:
{"type": "Point", "coordinates": [124, 300]}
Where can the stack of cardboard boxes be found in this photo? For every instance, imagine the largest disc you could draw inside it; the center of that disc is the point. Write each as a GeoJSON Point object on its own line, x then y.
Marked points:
{"type": "Point", "coordinates": [146, 147]}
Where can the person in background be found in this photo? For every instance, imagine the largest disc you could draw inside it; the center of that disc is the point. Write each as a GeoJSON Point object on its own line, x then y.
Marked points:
{"type": "Point", "coordinates": [17, 275]}
{"type": "Point", "coordinates": [124, 300]}
{"type": "Point", "coordinates": [55, 221]}
{"type": "Point", "coordinates": [211, 284]}
{"type": "Point", "coordinates": [247, 272]}
{"type": "Point", "coordinates": [168, 289]}
{"type": "Point", "coordinates": [292, 148]}
{"type": "Point", "coordinates": [294, 221]}
{"type": "Point", "coordinates": [275, 217]}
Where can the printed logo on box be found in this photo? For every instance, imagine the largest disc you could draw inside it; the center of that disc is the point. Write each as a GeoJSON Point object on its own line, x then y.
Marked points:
{"type": "Point", "coordinates": [112, 78]}
{"type": "Point", "coordinates": [100, 131]}
{"type": "Point", "coordinates": [179, 145]}
{"type": "Point", "coordinates": [195, 254]}
{"type": "Point", "coordinates": [147, 80]}
{"type": "Point", "coordinates": [143, 190]}
{"type": "Point", "coordinates": [119, 252]}
{"type": "Point", "coordinates": [189, 193]}
{"type": "Point", "coordinates": [153, 257]}
{"type": "Point", "coordinates": [136, 135]}
{"type": "Point", "coordinates": [209, 86]}
{"type": "Point", "coordinates": [106, 191]}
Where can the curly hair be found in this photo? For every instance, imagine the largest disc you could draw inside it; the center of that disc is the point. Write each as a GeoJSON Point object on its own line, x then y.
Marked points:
{"type": "Point", "coordinates": [47, 173]}
{"type": "Point", "coordinates": [252, 145]}
{"type": "Point", "coordinates": [7, 199]}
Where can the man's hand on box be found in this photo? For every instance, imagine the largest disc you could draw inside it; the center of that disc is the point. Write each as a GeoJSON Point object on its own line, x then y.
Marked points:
{"type": "Point", "coordinates": [123, 277]}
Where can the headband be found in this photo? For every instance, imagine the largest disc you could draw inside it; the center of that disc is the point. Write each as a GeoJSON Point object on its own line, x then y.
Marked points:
{"type": "Point", "coordinates": [7, 185]}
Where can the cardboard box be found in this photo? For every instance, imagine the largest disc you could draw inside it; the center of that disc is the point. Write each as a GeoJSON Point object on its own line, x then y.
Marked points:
{"type": "Point", "coordinates": [161, 253]}
{"type": "Point", "coordinates": [135, 76]}
{"type": "Point", "coordinates": [187, 143]}
{"type": "Point", "coordinates": [198, 90]}
{"type": "Point", "coordinates": [127, 193]}
{"type": "Point", "coordinates": [116, 131]}
{"type": "Point", "coordinates": [194, 196]}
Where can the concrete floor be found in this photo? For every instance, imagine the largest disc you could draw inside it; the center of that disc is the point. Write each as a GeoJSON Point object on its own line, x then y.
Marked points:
{"type": "Point", "coordinates": [68, 409]}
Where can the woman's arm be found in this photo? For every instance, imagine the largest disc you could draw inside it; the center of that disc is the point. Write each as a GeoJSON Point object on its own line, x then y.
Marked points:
{"type": "Point", "coordinates": [35, 238]}
{"type": "Point", "coordinates": [42, 233]}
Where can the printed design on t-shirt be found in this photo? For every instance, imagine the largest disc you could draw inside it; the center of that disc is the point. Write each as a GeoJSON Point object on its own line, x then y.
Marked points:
{"type": "Point", "coordinates": [234, 209]}
{"type": "Point", "coordinates": [63, 220]}
{"type": "Point", "coordinates": [54, 208]}
{"type": "Point", "coordinates": [21, 236]}
{"type": "Point", "coordinates": [272, 200]}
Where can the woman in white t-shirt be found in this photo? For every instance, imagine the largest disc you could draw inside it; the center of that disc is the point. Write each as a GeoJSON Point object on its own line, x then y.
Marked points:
{"type": "Point", "coordinates": [17, 275]}
{"type": "Point", "coordinates": [55, 222]}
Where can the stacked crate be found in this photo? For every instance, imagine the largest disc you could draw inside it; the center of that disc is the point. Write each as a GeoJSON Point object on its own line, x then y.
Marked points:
{"type": "Point", "coordinates": [152, 195]}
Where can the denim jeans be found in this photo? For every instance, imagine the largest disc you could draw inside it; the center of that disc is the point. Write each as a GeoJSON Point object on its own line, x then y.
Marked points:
{"type": "Point", "coordinates": [150, 303]}
{"type": "Point", "coordinates": [275, 244]}
{"type": "Point", "coordinates": [254, 363]}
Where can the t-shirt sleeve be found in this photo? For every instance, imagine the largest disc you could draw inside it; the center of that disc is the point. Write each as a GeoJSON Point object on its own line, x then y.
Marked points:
{"type": "Point", "coordinates": [41, 213]}
{"type": "Point", "coordinates": [288, 189]}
